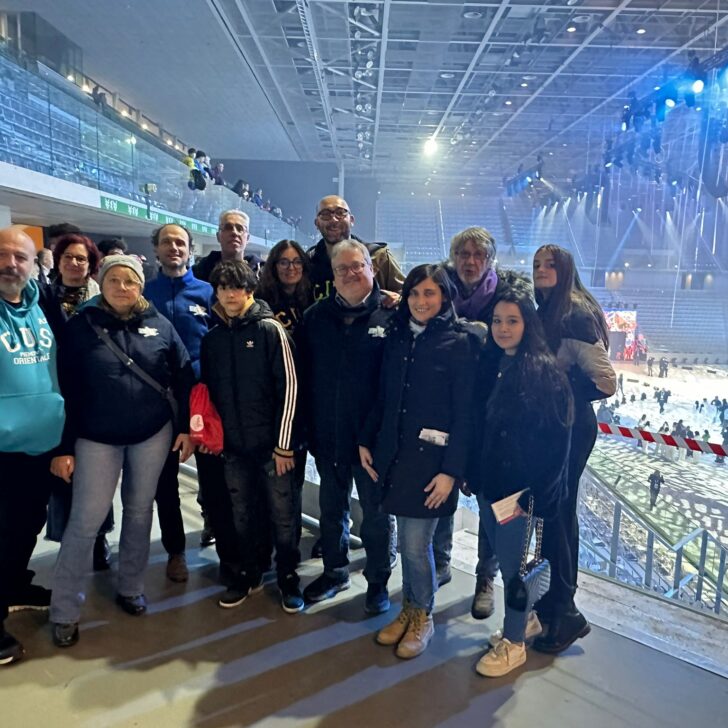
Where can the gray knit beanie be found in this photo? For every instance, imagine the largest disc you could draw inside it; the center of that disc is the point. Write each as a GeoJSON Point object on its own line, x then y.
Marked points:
{"type": "Point", "coordinates": [128, 261]}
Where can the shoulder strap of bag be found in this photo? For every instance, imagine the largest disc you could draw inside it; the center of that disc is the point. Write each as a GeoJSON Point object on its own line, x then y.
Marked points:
{"type": "Point", "coordinates": [127, 361]}
{"type": "Point", "coordinates": [527, 539]}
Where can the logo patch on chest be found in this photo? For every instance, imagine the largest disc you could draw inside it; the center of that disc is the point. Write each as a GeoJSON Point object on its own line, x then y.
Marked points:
{"type": "Point", "coordinates": [250, 345]}
{"type": "Point", "coordinates": [147, 331]}
{"type": "Point", "coordinates": [197, 310]}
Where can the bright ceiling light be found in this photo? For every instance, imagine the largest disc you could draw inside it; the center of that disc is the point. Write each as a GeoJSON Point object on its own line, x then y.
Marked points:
{"type": "Point", "coordinates": [698, 86]}
{"type": "Point", "coordinates": [524, 85]}
{"type": "Point", "coordinates": [69, 77]}
{"type": "Point", "coordinates": [430, 147]}
{"type": "Point", "coordinates": [670, 103]}
{"type": "Point", "coordinates": [571, 29]}
{"type": "Point", "coordinates": [641, 31]}
{"type": "Point", "coordinates": [509, 102]}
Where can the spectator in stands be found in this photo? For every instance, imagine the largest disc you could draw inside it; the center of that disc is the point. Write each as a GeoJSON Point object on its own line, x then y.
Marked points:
{"type": "Point", "coordinates": [77, 261]}
{"type": "Point", "coordinates": [577, 333]}
{"type": "Point", "coordinates": [98, 96]}
{"type": "Point", "coordinates": [342, 340]}
{"type": "Point", "coordinates": [186, 302]}
{"type": "Point", "coordinates": [415, 441]}
{"type": "Point", "coordinates": [217, 174]}
{"type": "Point", "coordinates": [522, 415]}
{"type": "Point", "coordinates": [233, 235]}
{"type": "Point", "coordinates": [44, 261]}
{"type": "Point", "coordinates": [257, 198]}
{"type": "Point", "coordinates": [277, 212]}
{"type": "Point", "coordinates": [54, 233]}
{"type": "Point", "coordinates": [189, 159]}
{"type": "Point", "coordinates": [335, 221]}
{"type": "Point", "coordinates": [267, 206]}
{"type": "Point", "coordinates": [112, 246]}
{"type": "Point", "coordinates": [31, 426]}
{"type": "Point", "coordinates": [650, 364]}
{"type": "Point", "coordinates": [471, 268]}
{"type": "Point", "coordinates": [251, 348]}
{"type": "Point", "coordinates": [117, 420]}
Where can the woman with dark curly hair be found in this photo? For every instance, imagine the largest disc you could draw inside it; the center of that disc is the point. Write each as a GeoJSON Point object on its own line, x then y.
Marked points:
{"type": "Point", "coordinates": [577, 333]}
{"type": "Point", "coordinates": [285, 285]}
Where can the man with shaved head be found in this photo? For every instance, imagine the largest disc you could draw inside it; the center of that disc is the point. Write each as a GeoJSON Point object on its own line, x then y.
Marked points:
{"type": "Point", "coordinates": [30, 427]}
{"type": "Point", "coordinates": [334, 221]}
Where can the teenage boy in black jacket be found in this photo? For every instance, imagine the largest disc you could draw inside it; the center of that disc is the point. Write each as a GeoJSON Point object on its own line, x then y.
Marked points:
{"type": "Point", "coordinates": [247, 364]}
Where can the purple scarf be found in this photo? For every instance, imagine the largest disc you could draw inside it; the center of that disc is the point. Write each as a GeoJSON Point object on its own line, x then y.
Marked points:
{"type": "Point", "coordinates": [472, 307]}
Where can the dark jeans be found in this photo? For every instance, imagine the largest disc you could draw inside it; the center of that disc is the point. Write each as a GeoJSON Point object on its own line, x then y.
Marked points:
{"type": "Point", "coordinates": [335, 505]}
{"type": "Point", "coordinates": [25, 486]}
{"type": "Point", "coordinates": [487, 566]}
{"type": "Point", "coordinates": [168, 506]}
{"type": "Point", "coordinates": [254, 489]}
{"type": "Point", "coordinates": [218, 509]}
{"type": "Point", "coordinates": [561, 534]}
{"type": "Point", "coordinates": [59, 510]}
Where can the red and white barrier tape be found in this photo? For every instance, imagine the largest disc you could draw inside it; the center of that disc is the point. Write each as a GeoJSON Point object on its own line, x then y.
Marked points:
{"type": "Point", "coordinates": [661, 439]}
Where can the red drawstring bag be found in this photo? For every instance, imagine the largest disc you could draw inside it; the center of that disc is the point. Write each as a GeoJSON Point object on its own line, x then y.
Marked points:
{"type": "Point", "coordinates": [205, 422]}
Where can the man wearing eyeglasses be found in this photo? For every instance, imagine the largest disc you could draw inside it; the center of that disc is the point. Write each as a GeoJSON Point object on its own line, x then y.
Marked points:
{"type": "Point", "coordinates": [472, 270]}
{"type": "Point", "coordinates": [334, 220]}
{"type": "Point", "coordinates": [341, 344]}
{"type": "Point", "coordinates": [233, 234]}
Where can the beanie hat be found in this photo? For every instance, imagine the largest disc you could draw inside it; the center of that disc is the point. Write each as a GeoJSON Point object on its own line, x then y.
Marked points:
{"type": "Point", "coordinates": [128, 261]}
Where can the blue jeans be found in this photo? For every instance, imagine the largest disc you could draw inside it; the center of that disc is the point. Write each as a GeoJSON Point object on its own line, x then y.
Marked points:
{"type": "Point", "coordinates": [507, 540]}
{"type": "Point", "coordinates": [442, 546]}
{"type": "Point", "coordinates": [94, 482]}
{"type": "Point", "coordinates": [419, 582]}
{"type": "Point", "coordinates": [376, 529]}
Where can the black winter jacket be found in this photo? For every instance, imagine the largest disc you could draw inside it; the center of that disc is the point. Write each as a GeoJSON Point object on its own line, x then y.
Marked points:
{"type": "Point", "coordinates": [426, 383]}
{"type": "Point", "coordinates": [339, 365]}
{"type": "Point", "coordinates": [515, 446]}
{"type": "Point", "coordinates": [105, 401]}
{"type": "Point", "coordinates": [247, 364]}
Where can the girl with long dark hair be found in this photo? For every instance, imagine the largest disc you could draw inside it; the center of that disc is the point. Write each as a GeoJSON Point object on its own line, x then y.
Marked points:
{"type": "Point", "coordinates": [522, 419]}
{"type": "Point", "coordinates": [285, 284]}
{"type": "Point", "coordinates": [416, 438]}
{"type": "Point", "coordinates": [577, 333]}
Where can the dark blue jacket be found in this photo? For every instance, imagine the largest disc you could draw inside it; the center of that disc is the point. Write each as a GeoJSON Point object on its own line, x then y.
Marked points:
{"type": "Point", "coordinates": [187, 303]}
{"type": "Point", "coordinates": [426, 383]}
{"type": "Point", "coordinates": [339, 365]}
{"type": "Point", "coordinates": [105, 401]}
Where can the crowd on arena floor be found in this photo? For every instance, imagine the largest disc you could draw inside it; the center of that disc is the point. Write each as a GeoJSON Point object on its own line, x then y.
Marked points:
{"type": "Point", "coordinates": [459, 376]}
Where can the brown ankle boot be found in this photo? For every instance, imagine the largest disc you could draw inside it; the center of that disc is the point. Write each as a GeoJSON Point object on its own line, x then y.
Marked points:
{"type": "Point", "coordinates": [418, 635]}
{"type": "Point", "coordinates": [394, 631]}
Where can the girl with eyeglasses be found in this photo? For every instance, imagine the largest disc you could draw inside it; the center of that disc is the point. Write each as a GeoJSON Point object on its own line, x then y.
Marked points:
{"type": "Point", "coordinates": [285, 285]}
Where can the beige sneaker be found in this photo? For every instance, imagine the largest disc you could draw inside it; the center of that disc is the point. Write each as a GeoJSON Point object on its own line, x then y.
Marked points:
{"type": "Point", "coordinates": [501, 659]}
{"type": "Point", "coordinates": [418, 635]}
{"type": "Point", "coordinates": [533, 630]}
{"type": "Point", "coordinates": [177, 568]}
{"type": "Point", "coordinates": [394, 631]}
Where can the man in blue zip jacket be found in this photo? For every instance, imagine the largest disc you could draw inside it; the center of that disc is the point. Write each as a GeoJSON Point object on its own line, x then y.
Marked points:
{"type": "Point", "coordinates": [186, 301]}
{"type": "Point", "coordinates": [31, 426]}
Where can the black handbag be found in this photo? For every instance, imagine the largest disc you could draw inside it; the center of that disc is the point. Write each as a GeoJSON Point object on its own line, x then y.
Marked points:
{"type": "Point", "coordinates": [534, 577]}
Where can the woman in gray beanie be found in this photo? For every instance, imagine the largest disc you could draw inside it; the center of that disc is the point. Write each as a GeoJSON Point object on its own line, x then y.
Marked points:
{"type": "Point", "coordinates": [119, 418]}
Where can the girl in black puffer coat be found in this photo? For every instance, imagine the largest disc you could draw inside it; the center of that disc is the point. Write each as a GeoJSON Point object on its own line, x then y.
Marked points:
{"type": "Point", "coordinates": [416, 438]}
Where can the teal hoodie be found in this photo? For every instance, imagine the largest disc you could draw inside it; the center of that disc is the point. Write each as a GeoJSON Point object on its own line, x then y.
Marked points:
{"type": "Point", "coordinates": [31, 407]}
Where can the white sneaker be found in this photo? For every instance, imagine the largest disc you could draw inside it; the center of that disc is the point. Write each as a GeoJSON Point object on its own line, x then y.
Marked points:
{"type": "Point", "coordinates": [533, 630]}
{"type": "Point", "coordinates": [503, 658]}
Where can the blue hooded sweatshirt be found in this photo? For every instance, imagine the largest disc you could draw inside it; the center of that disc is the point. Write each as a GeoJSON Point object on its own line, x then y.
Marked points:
{"type": "Point", "coordinates": [31, 407]}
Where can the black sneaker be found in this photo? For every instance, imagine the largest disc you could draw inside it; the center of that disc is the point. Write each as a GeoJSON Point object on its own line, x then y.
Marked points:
{"type": "Point", "coordinates": [10, 649]}
{"type": "Point", "coordinates": [135, 605]}
{"type": "Point", "coordinates": [65, 635]}
{"type": "Point", "coordinates": [563, 631]}
{"type": "Point", "coordinates": [443, 574]}
{"type": "Point", "coordinates": [237, 593]}
{"type": "Point", "coordinates": [207, 535]}
{"type": "Point", "coordinates": [325, 587]}
{"type": "Point", "coordinates": [483, 604]}
{"type": "Point", "coordinates": [102, 554]}
{"type": "Point", "coordinates": [377, 601]}
{"type": "Point", "coordinates": [317, 550]}
{"type": "Point", "coordinates": [291, 597]}
{"type": "Point", "coordinates": [31, 597]}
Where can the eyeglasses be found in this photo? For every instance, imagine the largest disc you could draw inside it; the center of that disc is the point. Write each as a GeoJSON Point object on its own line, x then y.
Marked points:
{"type": "Point", "coordinates": [355, 267]}
{"type": "Point", "coordinates": [339, 213]}
{"type": "Point", "coordinates": [285, 263]}
{"type": "Point", "coordinates": [479, 255]}
{"type": "Point", "coordinates": [80, 259]}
